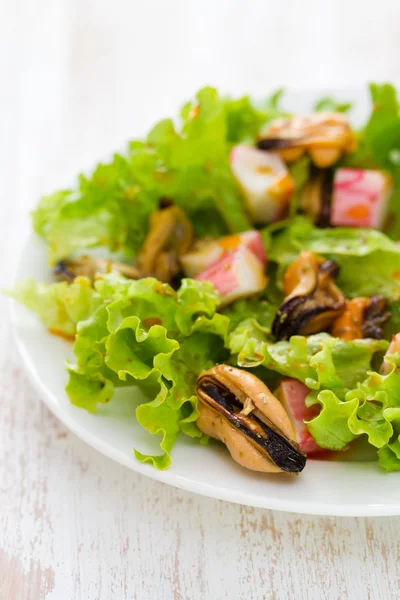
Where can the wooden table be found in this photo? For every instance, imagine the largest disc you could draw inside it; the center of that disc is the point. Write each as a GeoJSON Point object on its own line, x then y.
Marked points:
{"type": "Point", "coordinates": [77, 79]}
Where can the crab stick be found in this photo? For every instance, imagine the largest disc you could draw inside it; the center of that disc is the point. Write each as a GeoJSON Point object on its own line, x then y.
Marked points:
{"type": "Point", "coordinates": [235, 275]}
{"type": "Point", "coordinates": [264, 181]}
{"type": "Point", "coordinates": [207, 253]}
{"type": "Point", "coordinates": [360, 198]}
{"type": "Point", "coordinates": [292, 394]}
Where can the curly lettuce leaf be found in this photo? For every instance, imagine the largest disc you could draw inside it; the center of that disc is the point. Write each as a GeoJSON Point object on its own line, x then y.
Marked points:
{"type": "Point", "coordinates": [106, 209]}
{"type": "Point", "coordinates": [251, 308]}
{"type": "Point", "coordinates": [91, 382]}
{"type": "Point", "coordinates": [194, 299]}
{"type": "Point", "coordinates": [330, 428]}
{"type": "Point", "coordinates": [175, 365]}
{"type": "Point", "coordinates": [320, 361]}
{"type": "Point", "coordinates": [145, 333]}
{"type": "Point", "coordinates": [60, 306]}
{"type": "Point", "coordinates": [372, 409]}
{"type": "Point", "coordinates": [174, 409]}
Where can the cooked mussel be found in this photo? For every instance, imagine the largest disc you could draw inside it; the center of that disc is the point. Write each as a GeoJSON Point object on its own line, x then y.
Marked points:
{"type": "Point", "coordinates": [67, 269]}
{"type": "Point", "coordinates": [238, 409]}
{"type": "Point", "coordinates": [325, 136]}
{"type": "Point", "coordinates": [362, 318]}
{"type": "Point", "coordinates": [375, 316]}
{"type": "Point", "coordinates": [312, 299]}
{"type": "Point", "coordinates": [316, 196]}
{"type": "Point", "coordinates": [170, 236]}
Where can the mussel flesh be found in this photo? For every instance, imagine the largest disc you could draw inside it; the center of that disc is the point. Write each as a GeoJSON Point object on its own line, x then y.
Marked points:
{"type": "Point", "coordinates": [362, 318]}
{"type": "Point", "coordinates": [324, 136]}
{"type": "Point", "coordinates": [170, 237]}
{"type": "Point", "coordinates": [312, 302]}
{"type": "Point", "coordinates": [238, 409]}
{"type": "Point", "coordinates": [67, 269]}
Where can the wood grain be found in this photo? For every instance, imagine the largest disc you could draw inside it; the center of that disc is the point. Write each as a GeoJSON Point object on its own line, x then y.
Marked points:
{"type": "Point", "coordinates": [78, 78]}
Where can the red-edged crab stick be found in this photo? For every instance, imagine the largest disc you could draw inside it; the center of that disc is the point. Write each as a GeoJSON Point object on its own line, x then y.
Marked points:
{"type": "Point", "coordinates": [360, 198]}
{"type": "Point", "coordinates": [292, 394]}
{"type": "Point", "coordinates": [238, 274]}
{"type": "Point", "coordinates": [207, 252]}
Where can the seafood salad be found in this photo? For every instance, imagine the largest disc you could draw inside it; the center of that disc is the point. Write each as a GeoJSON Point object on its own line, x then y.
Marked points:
{"type": "Point", "coordinates": [246, 278]}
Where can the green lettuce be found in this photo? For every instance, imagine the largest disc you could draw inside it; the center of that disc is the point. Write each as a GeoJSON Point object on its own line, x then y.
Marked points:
{"type": "Point", "coordinates": [61, 306]}
{"type": "Point", "coordinates": [372, 409]}
{"type": "Point", "coordinates": [320, 361]}
{"type": "Point", "coordinates": [256, 309]}
{"type": "Point", "coordinates": [107, 209]}
{"type": "Point", "coordinates": [147, 334]}
{"type": "Point", "coordinates": [188, 162]}
{"type": "Point", "coordinates": [330, 429]}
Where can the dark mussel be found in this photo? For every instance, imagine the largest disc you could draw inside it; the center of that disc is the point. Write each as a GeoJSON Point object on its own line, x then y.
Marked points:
{"type": "Point", "coordinates": [316, 196]}
{"type": "Point", "coordinates": [362, 318]}
{"type": "Point", "coordinates": [170, 236]}
{"type": "Point", "coordinates": [324, 136]}
{"type": "Point", "coordinates": [85, 266]}
{"type": "Point", "coordinates": [313, 301]}
{"type": "Point", "coordinates": [238, 408]}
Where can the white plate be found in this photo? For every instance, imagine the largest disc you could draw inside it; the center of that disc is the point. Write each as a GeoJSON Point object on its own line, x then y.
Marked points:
{"type": "Point", "coordinates": [325, 487]}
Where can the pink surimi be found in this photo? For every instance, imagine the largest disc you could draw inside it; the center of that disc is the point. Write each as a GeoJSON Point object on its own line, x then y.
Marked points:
{"type": "Point", "coordinates": [238, 274]}
{"type": "Point", "coordinates": [360, 198]}
{"type": "Point", "coordinates": [207, 253]}
{"type": "Point", "coordinates": [264, 181]}
{"type": "Point", "coordinates": [292, 394]}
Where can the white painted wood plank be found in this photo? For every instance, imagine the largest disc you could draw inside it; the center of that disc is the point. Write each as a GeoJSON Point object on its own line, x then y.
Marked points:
{"type": "Point", "coordinates": [78, 78]}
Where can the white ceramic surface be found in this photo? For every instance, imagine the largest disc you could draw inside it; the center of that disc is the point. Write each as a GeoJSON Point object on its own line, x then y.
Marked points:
{"type": "Point", "coordinates": [325, 487]}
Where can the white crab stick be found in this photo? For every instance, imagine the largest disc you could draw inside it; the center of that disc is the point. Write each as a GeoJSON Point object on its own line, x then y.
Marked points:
{"type": "Point", "coordinates": [360, 198]}
{"type": "Point", "coordinates": [292, 394]}
{"type": "Point", "coordinates": [207, 253]}
{"type": "Point", "coordinates": [264, 181]}
{"type": "Point", "coordinates": [394, 348]}
{"type": "Point", "coordinates": [237, 274]}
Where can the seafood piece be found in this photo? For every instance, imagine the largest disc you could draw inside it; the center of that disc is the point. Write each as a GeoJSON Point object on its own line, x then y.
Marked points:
{"type": "Point", "coordinates": [238, 409]}
{"type": "Point", "coordinates": [204, 253]}
{"type": "Point", "coordinates": [325, 136]}
{"type": "Point", "coordinates": [312, 301]}
{"type": "Point", "coordinates": [237, 274]}
{"type": "Point", "coordinates": [67, 269]}
{"type": "Point", "coordinates": [264, 182]}
{"type": "Point", "coordinates": [316, 196]}
{"type": "Point", "coordinates": [360, 198]}
{"type": "Point", "coordinates": [292, 394]}
{"type": "Point", "coordinates": [362, 318]}
{"type": "Point", "coordinates": [170, 236]}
